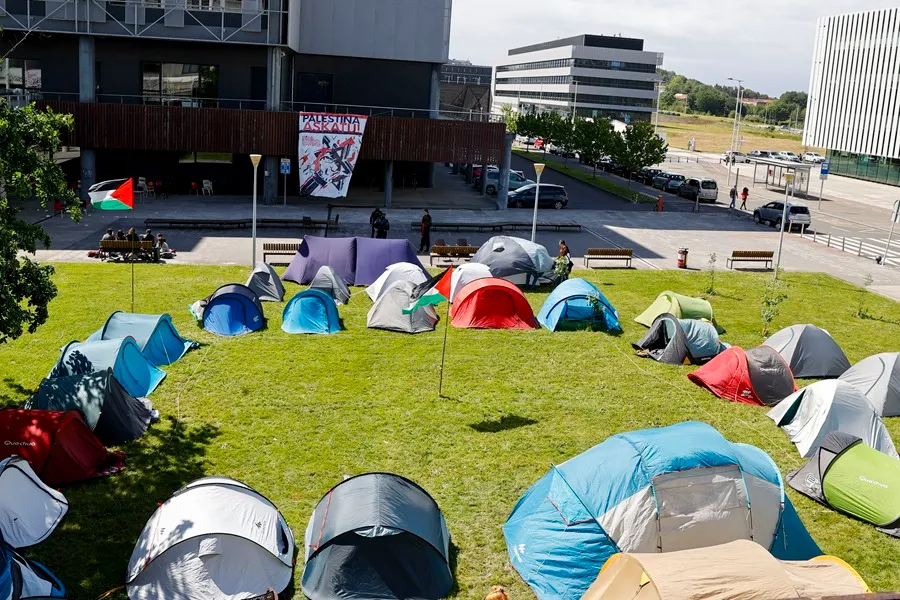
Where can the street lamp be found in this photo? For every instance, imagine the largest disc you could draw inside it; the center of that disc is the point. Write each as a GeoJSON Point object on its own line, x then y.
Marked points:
{"type": "Point", "coordinates": [659, 90]}
{"type": "Point", "coordinates": [538, 168]}
{"type": "Point", "coordinates": [254, 158]}
{"type": "Point", "coordinates": [789, 180]}
{"type": "Point", "coordinates": [735, 128]}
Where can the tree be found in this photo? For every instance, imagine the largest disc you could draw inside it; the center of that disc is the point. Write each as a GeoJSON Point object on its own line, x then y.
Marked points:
{"type": "Point", "coordinates": [639, 147]}
{"type": "Point", "coordinates": [511, 118]}
{"type": "Point", "coordinates": [592, 140]}
{"type": "Point", "coordinates": [28, 172]}
{"type": "Point", "coordinates": [527, 126]}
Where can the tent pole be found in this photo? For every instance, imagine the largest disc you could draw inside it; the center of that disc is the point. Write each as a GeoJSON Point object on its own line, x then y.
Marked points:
{"type": "Point", "coordinates": [444, 353]}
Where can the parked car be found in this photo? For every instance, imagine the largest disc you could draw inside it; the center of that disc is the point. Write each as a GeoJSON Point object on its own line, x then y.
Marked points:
{"type": "Point", "coordinates": [761, 154]}
{"type": "Point", "coordinates": [524, 140]}
{"type": "Point", "coordinates": [516, 180]}
{"type": "Point", "coordinates": [669, 182]}
{"type": "Point", "coordinates": [646, 175]}
{"type": "Point", "coordinates": [773, 212]}
{"type": "Point", "coordinates": [813, 157]}
{"type": "Point", "coordinates": [476, 179]}
{"type": "Point", "coordinates": [551, 196]}
{"type": "Point", "coordinates": [538, 143]}
{"type": "Point", "coordinates": [739, 157]}
{"type": "Point", "coordinates": [788, 156]}
{"type": "Point", "coordinates": [704, 190]}
{"type": "Point", "coordinates": [607, 164]}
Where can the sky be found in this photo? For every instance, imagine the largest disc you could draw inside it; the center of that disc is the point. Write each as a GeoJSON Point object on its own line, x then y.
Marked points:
{"type": "Point", "coordinates": [768, 43]}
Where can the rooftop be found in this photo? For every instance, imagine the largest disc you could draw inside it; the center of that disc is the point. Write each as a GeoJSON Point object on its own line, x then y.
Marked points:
{"type": "Point", "coordinates": [592, 41]}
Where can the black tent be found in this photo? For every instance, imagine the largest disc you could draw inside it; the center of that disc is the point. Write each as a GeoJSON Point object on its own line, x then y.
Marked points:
{"type": "Point", "coordinates": [377, 536]}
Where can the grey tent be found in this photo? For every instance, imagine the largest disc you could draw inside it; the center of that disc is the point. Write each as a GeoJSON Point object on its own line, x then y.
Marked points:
{"type": "Point", "coordinates": [264, 281]}
{"type": "Point", "coordinates": [377, 536]}
{"type": "Point", "coordinates": [327, 280]}
{"type": "Point", "coordinates": [878, 377]}
{"type": "Point", "coordinates": [811, 352]}
{"type": "Point", "coordinates": [387, 312]}
{"type": "Point", "coordinates": [115, 415]}
{"type": "Point", "coordinates": [678, 341]}
{"type": "Point", "coordinates": [514, 258]}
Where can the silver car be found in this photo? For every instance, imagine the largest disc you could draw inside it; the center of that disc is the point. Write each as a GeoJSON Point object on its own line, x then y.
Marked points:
{"type": "Point", "coordinates": [773, 212]}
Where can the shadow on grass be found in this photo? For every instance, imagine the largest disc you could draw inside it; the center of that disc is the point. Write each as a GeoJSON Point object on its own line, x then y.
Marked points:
{"type": "Point", "coordinates": [454, 562]}
{"type": "Point", "coordinates": [504, 423]}
{"type": "Point", "coordinates": [18, 396]}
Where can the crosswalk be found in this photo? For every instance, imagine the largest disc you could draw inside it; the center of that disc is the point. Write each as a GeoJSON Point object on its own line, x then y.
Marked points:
{"type": "Point", "coordinates": [872, 248]}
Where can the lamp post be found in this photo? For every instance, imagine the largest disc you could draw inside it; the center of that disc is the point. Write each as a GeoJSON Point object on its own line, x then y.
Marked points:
{"type": "Point", "coordinates": [659, 90]}
{"type": "Point", "coordinates": [254, 158]}
{"type": "Point", "coordinates": [734, 128]}
{"type": "Point", "coordinates": [789, 180]}
{"type": "Point", "coordinates": [538, 168]}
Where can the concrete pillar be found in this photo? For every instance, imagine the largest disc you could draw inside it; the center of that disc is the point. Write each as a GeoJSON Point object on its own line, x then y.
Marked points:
{"type": "Point", "coordinates": [434, 105]}
{"type": "Point", "coordinates": [503, 181]}
{"type": "Point", "coordinates": [274, 77]}
{"type": "Point", "coordinates": [388, 182]}
{"type": "Point", "coordinates": [483, 181]}
{"type": "Point", "coordinates": [469, 169]}
{"type": "Point", "coordinates": [269, 175]}
{"type": "Point", "coordinates": [87, 92]}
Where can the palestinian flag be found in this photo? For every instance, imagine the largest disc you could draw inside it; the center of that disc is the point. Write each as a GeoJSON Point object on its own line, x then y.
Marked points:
{"type": "Point", "coordinates": [117, 194]}
{"type": "Point", "coordinates": [432, 292]}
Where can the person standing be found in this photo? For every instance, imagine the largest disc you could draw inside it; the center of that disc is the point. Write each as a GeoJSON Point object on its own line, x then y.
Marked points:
{"type": "Point", "coordinates": [382, 226]}
{"type": "Point", "coordinates": [425, 243]}
{"type": "Point", "coordinates": [373, 218]}
{"type": "Point", "coordinates": [744, 193]}
{"type": "Point", "coordinates": [733, 195]}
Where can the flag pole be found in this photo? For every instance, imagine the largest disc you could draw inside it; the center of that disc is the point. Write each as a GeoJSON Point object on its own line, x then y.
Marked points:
{"type": "Point", "coordinates": [444, 353]}
{"type": "Point", "coordinates": [133, 256]}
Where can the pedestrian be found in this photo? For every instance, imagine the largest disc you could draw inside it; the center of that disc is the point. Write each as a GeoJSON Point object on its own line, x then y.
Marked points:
{"type": "Point", "coordinates": [565, 260]}
{"type": "Point", "coordinates": [733, 195]}
{"type": "Point", "coordinates": [425, 243]}
{"type": "Point", "coordinates": [382, 226]}
{"type": "Point", "coordinates": [373, 218]}
{"type": "Point", "coordinates": [744, 193]}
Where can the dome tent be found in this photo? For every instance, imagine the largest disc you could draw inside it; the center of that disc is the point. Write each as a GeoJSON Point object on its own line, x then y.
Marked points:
{"type": "Point", "coordinates": [758, 376]}
{"type": "Point", "coordinates": [680, 341]}
{"type": "Point", "coordinates": [396, 272]}
{"type": "Point", "coordinates": [266, 284]}
{"type": "Point", "coordinates": [377, 535]}
{"type": "Point", "coordinates": [129, 366]}
{"type": "Point", "coordinates": [24, 579]}
{"type": "Point", "coordinates": [576, 303]}
{"type": "Point", "coordinates": [638, 492]}
{"type": "Point", "coordinates": [107, 408]}
{"type": "Point", "coordinates": [465, 274]}
{"type": "Point", "coordinates": [29, 509]}
{"type": "Point", "coordinates": [811, 352]}
{"type": "Point", "coordinates": [682, 307]}
{"type": "Point", "coordinates": [327, 280]}
{"type": "Point", "coordinates": [818, 409]}
{"type": "Point", "coordinates": [513, 258]}
{"type": "Point", "coordinates": [849, 476]}
{"type": "Point", "coordinates": [231, 310]}
{"type": "Point", "coordinates": [492, 304]}
{"type": "Point", "coordinates": [155, 335]}
{"type": "Point", "coordinates": [387, 312]}
{"type": "Point", "coordinates": [216, 539]}
{"type": "Point", "coordinates": [311, 311]}
{"type": "Point", "coordinates": [878, 377]}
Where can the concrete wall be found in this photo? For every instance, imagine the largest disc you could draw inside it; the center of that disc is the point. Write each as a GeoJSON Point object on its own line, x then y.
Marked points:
{"type": "Point", "coordinates": [59, 60]}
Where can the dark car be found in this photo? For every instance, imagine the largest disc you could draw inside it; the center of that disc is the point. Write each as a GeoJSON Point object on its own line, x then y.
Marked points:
{"type": "Point", "coordinates": [551, 196]}
{"type": "Point", "coordinates": [608, 165]}
{"type": "Point", "coordinates": [646, 175]}
{"type": "Point", "coordinates": [669, 182]}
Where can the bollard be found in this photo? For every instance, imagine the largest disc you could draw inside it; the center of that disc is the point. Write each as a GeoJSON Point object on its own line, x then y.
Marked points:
{"type": "Point", "coordinates": [843, 243]}
{"type": "Point", "coordinates": [829, 241]}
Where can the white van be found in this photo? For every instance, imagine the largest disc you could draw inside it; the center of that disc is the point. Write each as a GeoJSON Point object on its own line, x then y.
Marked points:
{"type": "Point", "coordinates": [704, 190]}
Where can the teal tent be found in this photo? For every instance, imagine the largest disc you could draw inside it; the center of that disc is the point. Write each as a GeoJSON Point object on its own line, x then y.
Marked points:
{"type": "Point", "coordinates": [156, 336]}
{"type": "Point", "coordinates": [131, 368]}
{"type": "Point", "coordinates": [311, 311]}
{"type": "Point", "coordinates": [578, 304]}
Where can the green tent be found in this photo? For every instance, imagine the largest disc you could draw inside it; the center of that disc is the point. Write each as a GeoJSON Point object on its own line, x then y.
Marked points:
{"type": "Point", "coordinates": [682, 307]}
{"type": "Point", "coordinates": [853, 478]}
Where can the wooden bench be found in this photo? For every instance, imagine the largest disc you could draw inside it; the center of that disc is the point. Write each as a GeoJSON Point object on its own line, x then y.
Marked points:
{"type": "Point", "coordinates": [279, 249]}
{"type": "Point", "coordinates": [141, 248]}
{"type": "Point", "coordinates": [625, 254]}
{"type": "Point", "coordinates": [763, 256]}
{"type": "Point", "coordinates": [451, 253]}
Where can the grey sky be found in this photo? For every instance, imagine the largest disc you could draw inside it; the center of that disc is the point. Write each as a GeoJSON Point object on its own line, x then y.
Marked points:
{"type": "Point", "coordinates": [768, 43]}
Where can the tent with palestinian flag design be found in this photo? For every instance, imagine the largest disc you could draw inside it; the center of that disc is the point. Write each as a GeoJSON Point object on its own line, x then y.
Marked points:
{"type": "Point", "coordinates": [115, 194]}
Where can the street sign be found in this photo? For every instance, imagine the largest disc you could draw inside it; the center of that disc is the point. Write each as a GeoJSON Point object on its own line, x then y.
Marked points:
{"type": "Point", "coordinates": [285, 166]}
{"type": "Point", "coordinates": [823, 176]}
{"type": "Point", "coordinates": [826, 168]}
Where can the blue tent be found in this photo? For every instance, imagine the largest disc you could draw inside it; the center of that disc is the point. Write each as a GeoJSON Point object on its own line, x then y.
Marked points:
{"type": "Point", "coordinates": [233, 309]}
{"type": "Point", "coordinates": [656, 490]}
{"type": "Point", "coordinates": [570, 306]}
{"type": "Point", "coordinates": [311, 311]}
{"type": "Point", "coordinates": [155, 334]}
{"type": "Point", "coordinates": [130, 368]}
{"type": "Point", "coordinates": [21, 578]}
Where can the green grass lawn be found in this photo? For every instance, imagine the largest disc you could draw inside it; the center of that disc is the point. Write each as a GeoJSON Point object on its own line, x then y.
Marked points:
{"type": "Point", "coordinates": [292, 415]}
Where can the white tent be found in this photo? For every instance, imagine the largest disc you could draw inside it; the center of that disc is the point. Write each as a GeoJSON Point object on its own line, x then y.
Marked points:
{"type": "Point", "coordinates": [264, 281]}
{"type": "Point", "coordinates": [878, 377]}
{"type": "Point", "coordinates": [215, 539]}
{"type": "Point", "coordinates": [29, 510]}
{"type": "Point", "coordinates": [467, 273]}
{"type": "Point", "coordinates": [327, 280]}
{"type": "Point", "coordinates": [810, 351]}
{"type": "Point", "coordinates": [387, 312]}
{"type": "Point", "coordinates": [815, 411]}
{"type": "Point", "coordinates": [396, 272]}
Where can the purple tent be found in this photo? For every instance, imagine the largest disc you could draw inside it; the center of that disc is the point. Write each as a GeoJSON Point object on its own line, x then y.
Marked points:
{"type": "Point", "coordinates": [359, 261]}
{"type": "Point", "coordinates": [373, 256]}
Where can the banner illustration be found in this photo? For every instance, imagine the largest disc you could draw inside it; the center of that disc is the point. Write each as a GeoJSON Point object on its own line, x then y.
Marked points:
{"type": "Point", "coordinates": [329, 148]}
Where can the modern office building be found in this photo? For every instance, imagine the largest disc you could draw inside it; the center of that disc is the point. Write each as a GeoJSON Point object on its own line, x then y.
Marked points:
{"type": "Point", "coordinates": [590, 75]}
{"type": "Point", "coordinates": [465, 89]}
{"type": "Point", "coordinates": [854, 95]}
{"type": "Point", "coordinates": [184, 90]}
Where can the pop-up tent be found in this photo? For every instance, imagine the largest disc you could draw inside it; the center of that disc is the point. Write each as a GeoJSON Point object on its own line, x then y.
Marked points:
{"type": "Point", "coordinates": [682, 307]}
{"type": "Point", "coordinates": [387, 312]}
{"type": "Point", "coordinates": [107, 408]}
{"type": "Point", "coordinates": [327, 280]}
{"type": "Point", "coordinates": [853, 478]}
{"type": "Point", "coordinates": [233, 309]}
{"type": "Point", "coordinates": [311, 311]}
{"type": "Point", "coordinates": [739, 569]}
{"type": "Point", "coordinates": [577, 304]}
{"type": "Point", "coordinates": [377, 536]}
{"type": "Point", "coordinates": [29, 509]}
{"type": "Point", "coordinates": [681, 341]}
{"type": "Point", "coordinates": [358, 261]}
{"type": "Point", "coordinates": [878, 377]}
{"type": "Point", "coordinates": [492, 304]}
{"type": "Point", "coordinates": [757, 376]}
{"type": "Point", "coordinates": [465, 274]}
{"type": "Point", "coordinates": [818, 409]}
{"type": "Point", "coordinates": [130, 367]}
{"type": "Point", "coordinates": [216, 539]}
{"type": "Point", "coordinates": [156, 336]}
{"type": "Point", "coordinates": [658, 490]}
{"type": "Point", "coordinates": [396, 272]}
{"type": "Point", "coordinates": [811, 352]}
{"type": "Point", "coordinates": [24, 579]}
{"type": "Point", "coordinates": [58, 445]}
{"type": "Point", "coordinates": [514, 258]}
{"type": "Point", "coordinates": [266, 284]}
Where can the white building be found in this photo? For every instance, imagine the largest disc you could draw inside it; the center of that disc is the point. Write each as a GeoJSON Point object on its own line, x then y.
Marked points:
{"type": "Point", "coordinates": [854, 94]}
{"type": "Point", "coordinates": [594, 75]}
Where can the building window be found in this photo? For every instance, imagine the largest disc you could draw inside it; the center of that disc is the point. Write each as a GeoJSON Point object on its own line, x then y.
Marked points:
{"type": "Point", "coordinates": [582, 63]}
{"type": "Point", "coordinates": [582, 98]}
{"type": "Point", "coordinates": [18, 75]}
{"type": "Point", "coordinates": [571, 80]}
{"type": "Point", "coordinates": [314, 88]}
{"type": "Point", "coordinates": [180, 84]}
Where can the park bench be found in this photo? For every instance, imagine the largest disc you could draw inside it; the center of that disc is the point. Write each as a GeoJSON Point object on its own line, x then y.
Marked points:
{"type": "Point", "coordinates": [763, 256]}
{"type": "Point", "coordinates": [304, 223]}
{"type": "Point", "coordinates": [497, 227]}
{"type": "Point", "coordinates": [451, 253]}
{"type": "Point", "coordinates": [140, 248]}
{"type": "Point", "coordinates": [625, 254]}
{"type": "Point", "coordinates": [279, 249]}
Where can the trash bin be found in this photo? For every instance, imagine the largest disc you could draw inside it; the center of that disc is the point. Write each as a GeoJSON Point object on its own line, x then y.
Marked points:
{"type": "Point", "coordinates": [682, 258]}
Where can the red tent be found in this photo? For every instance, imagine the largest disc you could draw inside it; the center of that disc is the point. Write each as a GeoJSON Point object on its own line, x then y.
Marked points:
{"type": "Point", "coordinates": [59, 446]}
{"type": "Point", "coordinates": [758, 376]}
{"type": "Point", "coordinates": [492, 304]}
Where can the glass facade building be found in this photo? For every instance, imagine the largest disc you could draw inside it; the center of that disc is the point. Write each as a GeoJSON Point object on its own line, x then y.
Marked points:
{"type": "Point", "coordinates": [879, 169]}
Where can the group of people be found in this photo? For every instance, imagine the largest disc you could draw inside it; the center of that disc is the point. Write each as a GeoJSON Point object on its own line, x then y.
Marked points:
{"type": "Point", "coordinates": [380, 224]}
{"type": "Point", "coordinates": [733, 194]}
{"type": "Point", "coordinates": [160, 246]}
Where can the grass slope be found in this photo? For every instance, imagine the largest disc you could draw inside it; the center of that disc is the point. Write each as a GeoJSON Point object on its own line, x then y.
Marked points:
{"type": "Point", "coordinates": [713, 134]}
{"type": "Point", "coordinates": [291, 415]}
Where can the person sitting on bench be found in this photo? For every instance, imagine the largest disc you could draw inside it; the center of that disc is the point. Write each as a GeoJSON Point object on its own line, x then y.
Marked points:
{"type": "Point", "coordinates": [163, 247]}
{"type": "Point", "coordinates": [120, 236]}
